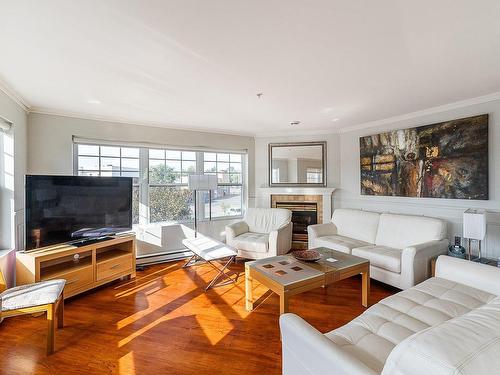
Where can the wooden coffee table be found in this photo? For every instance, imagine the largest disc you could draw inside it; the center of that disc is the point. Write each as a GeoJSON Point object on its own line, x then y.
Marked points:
{"type": "Point", "coordinates": [286, 276]}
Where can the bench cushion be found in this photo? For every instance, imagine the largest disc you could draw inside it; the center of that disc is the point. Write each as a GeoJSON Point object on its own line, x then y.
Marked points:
{"type": "Point", "coordinates": [373, 335]}
{"type": "Point", "coordinates": [31, 295]}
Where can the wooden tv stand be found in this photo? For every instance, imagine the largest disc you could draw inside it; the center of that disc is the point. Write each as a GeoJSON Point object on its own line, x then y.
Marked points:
{"type": "Point", "coordinates": [96, 264]}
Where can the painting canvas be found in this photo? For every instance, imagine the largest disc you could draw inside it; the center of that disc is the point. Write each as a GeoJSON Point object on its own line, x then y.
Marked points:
{"type": "Point", "coordinates": [445, 160]}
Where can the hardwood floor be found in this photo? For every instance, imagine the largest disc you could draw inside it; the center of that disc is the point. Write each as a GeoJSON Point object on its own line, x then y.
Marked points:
{"type": "Point", "coordinates": [163, 322]}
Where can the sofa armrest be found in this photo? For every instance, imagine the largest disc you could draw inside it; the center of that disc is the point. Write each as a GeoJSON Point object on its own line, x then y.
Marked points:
{"type": "Point", "coordinates": [280, 240]}
{"type": "Point", "coordinates": [308, 351]}
{"type": "Point", "coordinates": [234, 230]}
{"type": "Point", "coordinates": [416, 261]}
{"type": "Point", "coordinates": [477, 275]}
{"type": "Point", "coordinates": [319, 230]}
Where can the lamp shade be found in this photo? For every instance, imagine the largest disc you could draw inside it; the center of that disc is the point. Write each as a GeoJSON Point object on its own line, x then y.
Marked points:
{"type": "Point", "coordinates": [202, 182]}
{"type": "Point", "coordinates": [474, 224]}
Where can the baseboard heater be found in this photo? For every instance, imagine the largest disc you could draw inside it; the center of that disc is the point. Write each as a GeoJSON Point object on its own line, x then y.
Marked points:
{"type": "Point", "coordinates": [162, 257]}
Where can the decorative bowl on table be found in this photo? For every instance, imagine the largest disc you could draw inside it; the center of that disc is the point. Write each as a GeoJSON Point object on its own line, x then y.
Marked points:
{"type": "Point", "coordinates": [307, 255]}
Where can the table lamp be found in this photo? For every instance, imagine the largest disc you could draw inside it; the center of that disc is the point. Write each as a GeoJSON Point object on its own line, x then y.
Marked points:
{"type": "Point", "coordinates": [474, 228]}
{"type": "Point", "coordinates": [198, 182]}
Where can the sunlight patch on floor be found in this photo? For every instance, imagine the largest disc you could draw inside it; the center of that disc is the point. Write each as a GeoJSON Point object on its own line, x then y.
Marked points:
{"type": "Point", "coordinates": [138, 288]}
{"type": "Point", "coordinates": [165, 318]}
{"type": "Point", "coordinates": [154, 303]}
{"type": "Point", "coordinates": [126, 365]}
{"type": "Point", "coordinates": [215, 326]}
{"type": "Point", "coordinates": [234, 296]}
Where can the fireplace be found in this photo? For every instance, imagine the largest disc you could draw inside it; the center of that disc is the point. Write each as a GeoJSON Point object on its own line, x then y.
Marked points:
{"type": "Point", "coordinates": [303, 215]}
{"type": "Point", "coordinates": [306, 210]}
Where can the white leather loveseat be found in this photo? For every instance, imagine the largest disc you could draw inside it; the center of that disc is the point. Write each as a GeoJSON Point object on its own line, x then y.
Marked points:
{"type": "Point", "coordinates": [264, 232]}
{"type": "Point", "coordinates": [399, 247]}
{"type": "Point", "coordinates": [447, 325]}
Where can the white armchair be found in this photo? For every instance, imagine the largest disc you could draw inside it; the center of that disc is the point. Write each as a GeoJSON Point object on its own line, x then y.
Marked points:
{"type": "Point", "coordinates": [264, 232]}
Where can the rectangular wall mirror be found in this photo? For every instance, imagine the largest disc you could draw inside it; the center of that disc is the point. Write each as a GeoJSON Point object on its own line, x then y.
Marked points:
{"type": "Point", "coordinates": [297, 164]}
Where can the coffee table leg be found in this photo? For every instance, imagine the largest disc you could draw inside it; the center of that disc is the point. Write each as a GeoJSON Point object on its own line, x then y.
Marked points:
{"type": "Point", "coordinates": [365, 293]}
{"type": "Point", "coordinates": [283, 303]}
{"type": "Point", "coordinates": [248, 289]}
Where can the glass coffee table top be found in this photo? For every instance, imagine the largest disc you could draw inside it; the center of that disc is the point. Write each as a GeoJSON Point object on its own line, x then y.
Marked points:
{"type": "Point", "coordinates": [286, 270]}
{"type": "Point", "coordinates": [333, 261]}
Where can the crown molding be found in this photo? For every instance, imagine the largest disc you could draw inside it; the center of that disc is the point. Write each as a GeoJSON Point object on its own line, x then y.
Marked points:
{"type": "Point", "coordinates": [389, 120]}
{"type": "Point", "coordinates": [288, 133]}
{"type": "Point", "coordinates": [118, 120]}
{"type": "Point", "coordinates": [425, 112]}
{"type": "Point", "coordinates": [19, 100]}
{"type": "Point", "coordinates": [12, 94]}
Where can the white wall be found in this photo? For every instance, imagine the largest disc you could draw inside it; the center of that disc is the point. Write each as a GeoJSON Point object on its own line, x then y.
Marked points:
{"type": "Point", "coordinates": [449, 209]}
{"type": "Point", "coordinates": [50, 140]}
{"type": "Point", "coordinates": [12, 170]}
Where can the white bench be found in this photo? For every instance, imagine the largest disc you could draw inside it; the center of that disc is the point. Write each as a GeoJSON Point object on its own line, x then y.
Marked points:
{"type": "Point", "coordinates": [211, 251]}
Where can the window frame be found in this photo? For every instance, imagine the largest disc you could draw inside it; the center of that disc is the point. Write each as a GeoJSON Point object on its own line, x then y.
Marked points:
{"type": "Point", "coordinates": [144, 180]}
{"type": "Point", "coordinates": [167, 185]}
{"type": "Point", "coordinates": [241, 184]}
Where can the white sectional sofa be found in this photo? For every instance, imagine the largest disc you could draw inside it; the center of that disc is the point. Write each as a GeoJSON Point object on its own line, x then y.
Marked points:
{"type": "Point", "coordinates": [263, 232]}
{"type": "Point", "coordinates": [449, 324]}
{"type": "Point", "coordinates": [399, 247]}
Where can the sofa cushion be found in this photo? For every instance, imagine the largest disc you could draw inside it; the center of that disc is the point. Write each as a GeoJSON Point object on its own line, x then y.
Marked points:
{"type": "Point", "coordinates": [383, 257]}
{"type": "Point", "coordinates": [357, 224]}
{"type": "Point", "coordinates": [339, 243]}
{"type": "Point", "coordinates": [373, 335]}
{"type": "Point", "coordinates": [265, 220]}
{"type": "Point", "coordinates": [469, 344]}
{"type": "Point", "coordinates": [249, 241]}
{"type": "Point", "coordinates": [400, 231]}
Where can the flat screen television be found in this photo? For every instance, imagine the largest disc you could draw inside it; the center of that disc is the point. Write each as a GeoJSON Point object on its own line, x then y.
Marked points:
{"type": "Point", "coordinates": [74, 208]}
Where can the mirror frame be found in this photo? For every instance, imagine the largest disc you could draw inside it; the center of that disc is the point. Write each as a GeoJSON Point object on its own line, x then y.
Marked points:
{"type": "Point", "coordinates": [296, 184]}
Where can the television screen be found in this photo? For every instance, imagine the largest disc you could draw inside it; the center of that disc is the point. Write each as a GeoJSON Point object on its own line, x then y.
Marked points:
{"type": "Point", "coordinates": [69, 208]}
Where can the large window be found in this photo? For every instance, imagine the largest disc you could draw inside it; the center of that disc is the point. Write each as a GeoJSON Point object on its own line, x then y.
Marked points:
{"type": "Point", "coordinates": [161, 179]}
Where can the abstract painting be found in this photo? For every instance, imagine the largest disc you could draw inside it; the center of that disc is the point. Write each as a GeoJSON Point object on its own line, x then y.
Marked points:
{"type": "Point", "coordinates": [444, 160]}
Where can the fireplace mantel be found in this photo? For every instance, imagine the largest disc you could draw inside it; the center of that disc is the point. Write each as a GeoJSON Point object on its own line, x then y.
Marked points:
{"type": "Point", "coordinates": [263, 196]}
{"type": "Point", "coordinates": [267, 190]}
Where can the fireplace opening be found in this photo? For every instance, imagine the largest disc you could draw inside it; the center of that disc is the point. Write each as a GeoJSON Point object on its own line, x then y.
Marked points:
{"type": "Point", "coordinates": [303, 215]}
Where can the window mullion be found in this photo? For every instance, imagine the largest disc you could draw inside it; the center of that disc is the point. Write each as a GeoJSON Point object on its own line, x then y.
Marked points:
{"type": "Point", "coordinates": [199, 170]}
{"type": "Point", "coordinates": [143, 186]}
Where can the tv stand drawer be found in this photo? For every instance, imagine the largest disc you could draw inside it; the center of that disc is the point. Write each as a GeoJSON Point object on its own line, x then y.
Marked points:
{"type": "Point", "coordinates": [114, 266]}
{"type": "Point", "coordinates": [76, 279]}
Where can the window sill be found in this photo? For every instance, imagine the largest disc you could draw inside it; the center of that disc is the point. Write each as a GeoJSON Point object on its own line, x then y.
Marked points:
{"type": "Point", "coordinates": [187, 222]}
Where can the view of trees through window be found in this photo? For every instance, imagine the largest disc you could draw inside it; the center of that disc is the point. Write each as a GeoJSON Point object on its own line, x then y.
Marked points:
{"type": "Point", "coordinates": [165, 191]}
{"type": "Point", "coordinates": [169, 197]}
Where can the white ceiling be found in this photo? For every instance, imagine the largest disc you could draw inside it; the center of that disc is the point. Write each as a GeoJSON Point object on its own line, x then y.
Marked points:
{"type": "Point", "coordinates": [199, 63]}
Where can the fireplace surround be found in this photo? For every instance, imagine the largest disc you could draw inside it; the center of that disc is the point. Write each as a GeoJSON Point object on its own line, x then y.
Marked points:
{"type": "Point", "coordinates": [306, 210]}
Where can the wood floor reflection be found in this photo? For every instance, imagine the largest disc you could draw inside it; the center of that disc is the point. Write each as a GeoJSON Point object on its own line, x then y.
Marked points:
{"type": "Point", "coordinates": [163, 322]}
